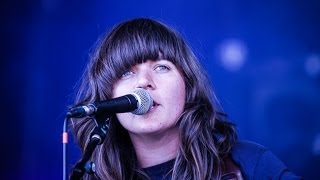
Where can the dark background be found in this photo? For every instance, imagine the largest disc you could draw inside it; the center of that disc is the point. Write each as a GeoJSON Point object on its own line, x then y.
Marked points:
{"type": "Point", "coordinates": [262, 57]}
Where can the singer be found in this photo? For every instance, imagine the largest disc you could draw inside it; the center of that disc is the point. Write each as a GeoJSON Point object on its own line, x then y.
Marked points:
{"type": "Point", "coordinates": [184, 134]}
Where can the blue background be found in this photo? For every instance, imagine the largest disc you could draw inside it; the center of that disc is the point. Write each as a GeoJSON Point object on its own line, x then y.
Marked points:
{"type": "Point", "coordinates": [262, 57]}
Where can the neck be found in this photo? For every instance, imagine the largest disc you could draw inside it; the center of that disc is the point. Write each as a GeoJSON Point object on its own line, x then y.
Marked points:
{"type": "Point", "coordinates": [155, 149]}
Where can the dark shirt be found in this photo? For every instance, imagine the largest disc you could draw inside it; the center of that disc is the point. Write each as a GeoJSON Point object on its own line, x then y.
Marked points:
{"type": "Point", "coordinates": [160, 171]}
{"type": "Point", "coordinates": [254, 161]}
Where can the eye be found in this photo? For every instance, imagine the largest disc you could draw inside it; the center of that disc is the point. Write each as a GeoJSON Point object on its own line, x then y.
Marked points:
{"type": "Point", "coordinates": [127, 74]}
{"type": "Point", "coordinates": [162, 68]}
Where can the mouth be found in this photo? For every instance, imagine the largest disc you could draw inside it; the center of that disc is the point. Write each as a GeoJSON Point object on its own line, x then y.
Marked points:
{"type": "Point", "coordinates": [154, 105]}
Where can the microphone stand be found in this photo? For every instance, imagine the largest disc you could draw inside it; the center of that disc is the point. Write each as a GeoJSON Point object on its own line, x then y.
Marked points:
{"type": "Point", "coordinates": [97, 137]}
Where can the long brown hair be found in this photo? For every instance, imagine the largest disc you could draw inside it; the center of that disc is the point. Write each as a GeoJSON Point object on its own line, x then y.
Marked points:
{"type": "Point", "coordinates": [205, 137]}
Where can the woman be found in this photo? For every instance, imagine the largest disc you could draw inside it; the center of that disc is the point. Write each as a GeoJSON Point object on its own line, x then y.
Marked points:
{"type": "Point", "coordinates": [184, 134]}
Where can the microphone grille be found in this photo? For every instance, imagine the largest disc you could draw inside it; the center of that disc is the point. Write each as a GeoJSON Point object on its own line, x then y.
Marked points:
{"type": "Point", "coordinates": [145, 101]}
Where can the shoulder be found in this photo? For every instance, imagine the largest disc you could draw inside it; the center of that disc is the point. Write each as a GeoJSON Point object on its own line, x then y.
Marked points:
{"type": "Point", "coordinates": [258, 162]}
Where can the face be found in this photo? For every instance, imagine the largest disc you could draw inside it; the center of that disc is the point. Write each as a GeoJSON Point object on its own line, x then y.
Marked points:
{"type": "Point", "coordinates": [166, 86]}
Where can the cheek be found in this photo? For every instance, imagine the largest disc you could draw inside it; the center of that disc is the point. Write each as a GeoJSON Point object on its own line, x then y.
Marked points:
{"type": "Point", "coordinates": [182, 90]}
{"type": "Point", "coordinates": [119, 90]}
{"type": "Point", "coordinates": [178, 96]}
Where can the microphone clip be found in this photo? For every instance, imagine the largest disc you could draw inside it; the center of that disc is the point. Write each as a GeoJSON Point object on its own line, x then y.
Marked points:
{"type": "Point", "coordinates": [82, 111]}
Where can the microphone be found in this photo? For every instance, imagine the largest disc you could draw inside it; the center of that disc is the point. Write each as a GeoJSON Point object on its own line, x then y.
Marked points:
{"type": "Point", "coordinates": [138, 102]}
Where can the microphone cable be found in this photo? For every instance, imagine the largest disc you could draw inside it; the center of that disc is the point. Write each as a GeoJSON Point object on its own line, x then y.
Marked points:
{"type": "Point", "coordinates": [64, 147]}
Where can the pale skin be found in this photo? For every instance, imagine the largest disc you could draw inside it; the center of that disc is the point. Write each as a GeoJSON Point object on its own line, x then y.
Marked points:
{"type": "Point", "coordinates": [154, 135]}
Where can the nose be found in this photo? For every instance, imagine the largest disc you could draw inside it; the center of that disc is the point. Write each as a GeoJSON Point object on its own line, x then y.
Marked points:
{"type": "Point", "coordinates": [145, 80]}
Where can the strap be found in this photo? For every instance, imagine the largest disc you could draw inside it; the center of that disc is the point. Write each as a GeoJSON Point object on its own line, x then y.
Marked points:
{"type": "Point", "coordinates": [230, 170]}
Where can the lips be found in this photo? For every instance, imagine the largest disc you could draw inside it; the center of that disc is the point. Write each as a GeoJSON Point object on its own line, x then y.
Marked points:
{"type": "Point", "coordinates": [154, 105]}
